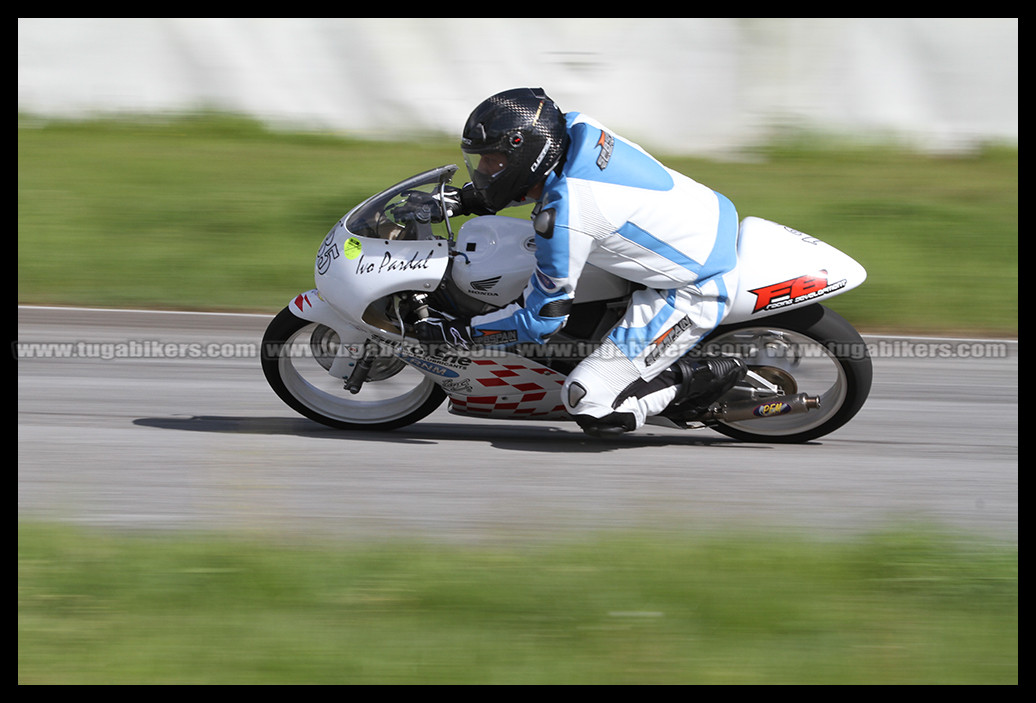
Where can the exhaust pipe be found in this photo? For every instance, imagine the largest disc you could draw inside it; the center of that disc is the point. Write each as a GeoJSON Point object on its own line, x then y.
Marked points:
{"type": "Point", "coordinates": [771, 407]}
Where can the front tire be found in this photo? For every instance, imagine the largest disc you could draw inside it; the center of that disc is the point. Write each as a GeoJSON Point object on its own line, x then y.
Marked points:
{"type": "Point", "coordinates": [821, 350]}
{"type": "Point", "coordinates": [295, 363]}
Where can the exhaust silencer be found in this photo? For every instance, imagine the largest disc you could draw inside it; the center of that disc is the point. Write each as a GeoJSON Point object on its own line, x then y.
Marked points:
{"type": "Point", "coordinates": [771, 407]}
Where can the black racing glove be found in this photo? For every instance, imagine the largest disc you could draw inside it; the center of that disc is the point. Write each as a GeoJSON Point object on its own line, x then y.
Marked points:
{"type": "Point", "coordinates": [470, 202]}
{"type": "Point", "coordinates": [440, 328]}
{"type": "Point", "coordinates": [429, 207]}
{"type": "Point", "coordinates": [419, 207]}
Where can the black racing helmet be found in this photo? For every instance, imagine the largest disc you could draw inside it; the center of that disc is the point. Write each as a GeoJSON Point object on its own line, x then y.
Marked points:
{"type": "Point", "coordinates": [510, 142]}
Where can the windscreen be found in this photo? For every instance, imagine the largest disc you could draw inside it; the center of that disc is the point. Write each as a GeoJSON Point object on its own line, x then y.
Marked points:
{"type": "Point", "coordinates": [386, 215]}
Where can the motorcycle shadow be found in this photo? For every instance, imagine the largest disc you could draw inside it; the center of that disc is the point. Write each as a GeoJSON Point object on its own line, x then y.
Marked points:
{"type": "Point", "coordinates": [527, 437]}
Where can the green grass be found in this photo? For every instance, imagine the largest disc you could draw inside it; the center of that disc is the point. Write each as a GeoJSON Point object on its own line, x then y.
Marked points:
{"type": "Point", "coordinates": [892, 608]}
{"type": "Point", "coordinates": [214, 212]}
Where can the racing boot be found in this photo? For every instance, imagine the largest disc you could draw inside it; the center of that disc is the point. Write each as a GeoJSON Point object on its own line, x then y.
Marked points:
{"type": "Point", "coordinates": [607, 427]}
{"type": "Point", "coordinates": [701, 382]}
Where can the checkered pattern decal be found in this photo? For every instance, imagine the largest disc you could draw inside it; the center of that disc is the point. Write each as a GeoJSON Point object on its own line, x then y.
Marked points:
{"type": "Point", "coordinates": [511, 390]}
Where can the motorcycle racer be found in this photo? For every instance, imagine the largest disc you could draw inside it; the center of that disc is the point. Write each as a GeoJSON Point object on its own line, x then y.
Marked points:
{"type": "Point", "coordinates": [602, 199]}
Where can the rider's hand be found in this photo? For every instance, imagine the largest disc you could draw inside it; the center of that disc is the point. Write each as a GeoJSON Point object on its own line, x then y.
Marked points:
{"type": "Point", "coordinates": [424, 207]}
{"type": "Point", "coordinates": [440, 328]}
{"type": "Point", "coordinates": [418, 207]}
{"type": "Point", "coordinates": [460, 201]}
{"type": "Point", "coordinates": [450, 201]}
{"type": "Point", "coordinates": [470, 202]}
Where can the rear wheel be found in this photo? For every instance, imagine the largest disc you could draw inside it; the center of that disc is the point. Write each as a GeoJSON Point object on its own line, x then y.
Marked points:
{"type": "Point", "coordinates": [813, 350]}
{"type": "Point", "coordinates": [296, 357]}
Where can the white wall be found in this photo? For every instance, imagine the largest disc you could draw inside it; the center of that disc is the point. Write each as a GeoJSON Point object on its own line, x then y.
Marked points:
{"type": "Point", "coordinates": [674, 84]}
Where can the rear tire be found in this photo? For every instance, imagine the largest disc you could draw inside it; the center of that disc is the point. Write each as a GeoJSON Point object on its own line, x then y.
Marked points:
{"type": "Point", "coordinates": [824, 353]}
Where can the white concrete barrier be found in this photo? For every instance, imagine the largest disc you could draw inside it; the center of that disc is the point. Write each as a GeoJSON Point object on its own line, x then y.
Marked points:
{"type": "Point", "coordinates": [678, 85]}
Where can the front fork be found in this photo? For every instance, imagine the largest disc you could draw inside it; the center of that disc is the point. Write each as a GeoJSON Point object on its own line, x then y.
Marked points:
{"type": "Point", "coordinates": [310, 306]}
{"type": "Point", "coordinates": [358, 358]}
{"type": "Point", "coordinates": [362, 369]}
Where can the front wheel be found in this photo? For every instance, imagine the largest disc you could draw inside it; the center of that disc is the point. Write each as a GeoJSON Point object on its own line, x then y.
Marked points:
{"type": "Point", "coordinates": [296, 357]}
{"type": "Point", "coordinates": [817, 348]}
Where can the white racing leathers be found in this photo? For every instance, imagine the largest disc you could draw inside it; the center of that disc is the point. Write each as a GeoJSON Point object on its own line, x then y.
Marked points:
{"type": "Point", "coordinates": [616, 207]}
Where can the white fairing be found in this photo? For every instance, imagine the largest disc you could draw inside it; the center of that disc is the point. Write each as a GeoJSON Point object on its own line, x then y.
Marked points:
{"type": "Point", "coordinates": [352, 271]}
{"type": "Point", "coordinates": [781, 268]}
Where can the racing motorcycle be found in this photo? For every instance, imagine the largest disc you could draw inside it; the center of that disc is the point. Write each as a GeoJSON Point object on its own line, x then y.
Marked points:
{"type": "Point", "coordinates": [344, 354]}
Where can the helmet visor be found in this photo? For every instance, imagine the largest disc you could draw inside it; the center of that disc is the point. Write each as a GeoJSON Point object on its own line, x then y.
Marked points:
{"type": "Point", "coordinates": [485, 168]}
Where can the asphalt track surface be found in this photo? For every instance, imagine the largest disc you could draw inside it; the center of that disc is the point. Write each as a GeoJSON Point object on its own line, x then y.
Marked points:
{"type": "Point", "coordinates": [173, 442]}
